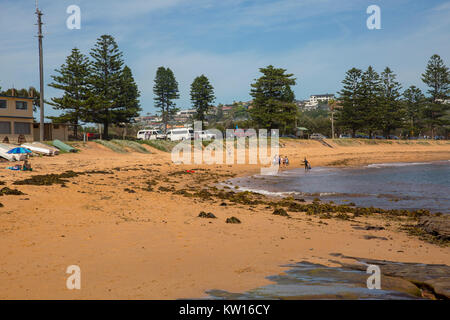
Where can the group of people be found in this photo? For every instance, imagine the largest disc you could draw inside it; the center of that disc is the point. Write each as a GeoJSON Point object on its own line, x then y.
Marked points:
{"type": "Point", "coordinates": [284, 162]}
{"type": "Point", "coordinates": [25, 167]}
{"type": "Point", "coordinates": [281, 161]}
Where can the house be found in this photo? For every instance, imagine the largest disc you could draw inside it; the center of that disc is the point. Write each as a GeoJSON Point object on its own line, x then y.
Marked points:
{"type": "Point", "coordinates": [52, 131]}
{"type": "Point", "coordinates": [16, 119]}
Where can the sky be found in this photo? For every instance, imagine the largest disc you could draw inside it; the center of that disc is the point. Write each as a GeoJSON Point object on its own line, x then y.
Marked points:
{"type": "Point", "coordinates": [228, 41]}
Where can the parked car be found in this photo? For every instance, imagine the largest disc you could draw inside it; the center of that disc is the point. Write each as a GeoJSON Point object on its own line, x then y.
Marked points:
{"type": "Point", "coordinates": [439, 138]}
{"type": "Point", "coordinates": [204, 135]}
{"type": "Point", "coordinates": [317, 136]}
{"type": "Point", "coordinates": [180, 134]}
{"type": "Point", "coordinates": [345, 136]}
{"type": "Point", "coordinates": [361, 136]}
{"type": "Point", "coordinates": [289, 136]}
{"type": "Point", "coordinates": [392, 137]}
{"type": "Point", "coordinates": [380, 137]}
{"type": "Point", "coordinates": [148, 134]}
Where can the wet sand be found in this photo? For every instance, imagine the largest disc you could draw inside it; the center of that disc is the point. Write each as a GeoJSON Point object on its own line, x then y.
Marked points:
{"type": "Point", "coordinates": [147, 243]}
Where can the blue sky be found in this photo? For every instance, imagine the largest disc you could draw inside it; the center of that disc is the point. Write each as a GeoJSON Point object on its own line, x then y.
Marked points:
{"type": "Point", "coordinates": [229, 40]}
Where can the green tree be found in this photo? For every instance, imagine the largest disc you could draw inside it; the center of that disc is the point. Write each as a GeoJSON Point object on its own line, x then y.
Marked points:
{"type": "Point", "coordinates": [371, 91]}
{"type": "Point", "coordinates": [390, 111]}
{"type": "Point", "coordinates": [106, 82]}
{"type": "Point", "coordinates": [437, 78]}
{"type": "Point", "coordinates": [273, 100]}
{"type": "Point", "coordinates": [129, 106]}
{"type": "Point", "coordinates": [239, 111]}
{"type": "Point", "coordinates": [414, 101]}
{"type": "Point", "coordinates": [350, 116]}
{"type": "Point", "coordinates": [73, 79]}
{"type": "Point", "coordinates": [166, 91]}
{"type": "Point", "coordinates": [202, 96]}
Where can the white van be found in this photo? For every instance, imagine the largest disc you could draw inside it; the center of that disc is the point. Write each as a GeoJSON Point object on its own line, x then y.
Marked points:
{"type": "Point", "coordinates": [150, 135]}
{"type": "Point", "coordinates": [180, 134]}
{"type": "Point", "coordinates": [204, 135]}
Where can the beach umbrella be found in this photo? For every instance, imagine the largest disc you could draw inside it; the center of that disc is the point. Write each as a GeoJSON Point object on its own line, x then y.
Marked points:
{"type": "Point", "coordinates": [19, 150]}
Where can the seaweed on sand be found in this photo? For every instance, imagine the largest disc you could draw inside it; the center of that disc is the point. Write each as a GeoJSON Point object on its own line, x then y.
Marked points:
{"type": "Point", "coordinates": [53, 178]}
{"type": "Point", "coordinates": [7, 191]}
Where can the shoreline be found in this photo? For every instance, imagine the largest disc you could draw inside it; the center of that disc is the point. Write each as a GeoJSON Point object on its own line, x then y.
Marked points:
{"type": "Point", "coordinates": [149, 243]}
{"type": "Point", "coordinates": [252, 183]}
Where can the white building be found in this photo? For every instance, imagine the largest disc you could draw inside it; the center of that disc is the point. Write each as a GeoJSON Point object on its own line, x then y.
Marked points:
{"type": "Point", "coordinates": [186, 113]}
{"type": "Point", "coordinates": [314, 100]}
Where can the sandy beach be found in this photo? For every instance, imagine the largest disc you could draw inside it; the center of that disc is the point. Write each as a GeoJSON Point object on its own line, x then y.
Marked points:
{"type": "Point", "coordinates": [134, 237]}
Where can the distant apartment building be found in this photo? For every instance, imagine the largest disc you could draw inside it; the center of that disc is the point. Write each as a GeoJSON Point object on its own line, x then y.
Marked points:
{"type": "Point", "coordinates": [315, 99]}
{"type": "Point", "coordinates": [186, 113]}
{"type": "Point", "coordinates": [443, 101]}
{"type": "Point", "coordinates": [16, 119]}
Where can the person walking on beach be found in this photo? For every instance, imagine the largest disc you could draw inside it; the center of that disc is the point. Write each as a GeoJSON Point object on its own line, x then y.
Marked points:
{"type": "Point", "coordinates": [279, 160]}
{"type": "Point", "coordinates": [307, 165]}
{"type": "Point", "coordinates": [286, 161]}
{"type": "Point", "coordinates": [275, 160]}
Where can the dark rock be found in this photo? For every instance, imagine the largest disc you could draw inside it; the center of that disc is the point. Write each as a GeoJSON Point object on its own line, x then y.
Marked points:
{"type": "Point", "coordinates": [280, 212]}
{"type": "Point", "coordinates": [438, 227]}
{"type": "Point", "coordinates": [233, 220]}
{"type": "Point", "coordinates": [433, 278]}
{"type": "Point", "coordinates": [208, 215]}
{"type": "Point", "coordinates": [370, 237]}
{"type": "Point", "coordinates": [368, 227]}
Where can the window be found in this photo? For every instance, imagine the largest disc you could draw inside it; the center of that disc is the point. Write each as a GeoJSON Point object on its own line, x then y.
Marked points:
{"type": "Point", "coordinates": [5, 127]}
{"type": "Point", "coordinates": [21, 105]}
{"type": "Point", "coordinates": [3, 104]}
{"type": "Point", "coordinates": [22, 128]}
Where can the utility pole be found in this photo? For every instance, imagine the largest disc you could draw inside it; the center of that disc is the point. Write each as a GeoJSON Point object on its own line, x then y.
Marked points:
{"type": "Point", "coordinates": [332, 123]}
{"type": "Point", "coordinates": [41, 73]}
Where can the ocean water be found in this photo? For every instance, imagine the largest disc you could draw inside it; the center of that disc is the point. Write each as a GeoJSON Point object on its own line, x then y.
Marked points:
{"type": "Point", "coordinates": [389, 186]}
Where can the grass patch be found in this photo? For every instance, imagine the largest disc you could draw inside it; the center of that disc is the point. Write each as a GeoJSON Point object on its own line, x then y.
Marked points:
{"type": "Point", "coordinates": [131, 145]}
{"type": "Point", "coordinates": [161, 145]}
{"type": "Point", "coordinates": [345, 142]}
{"type": "Point", "coordinates": [114, 147]}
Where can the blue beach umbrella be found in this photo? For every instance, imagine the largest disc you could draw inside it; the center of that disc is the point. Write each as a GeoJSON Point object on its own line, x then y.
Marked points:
{"type": "Point", "coordinates": [19, 150]}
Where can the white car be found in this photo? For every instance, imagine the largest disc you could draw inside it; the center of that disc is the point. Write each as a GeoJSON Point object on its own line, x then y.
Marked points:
{"type": "Point", "coordinates": [204, 135]}
{"type": "Point", "coordinates": [317, 136]}
{"type": "Point", "coordinates": [180, 134]}
{"type": "Point", "coordinates": [150, 135]}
